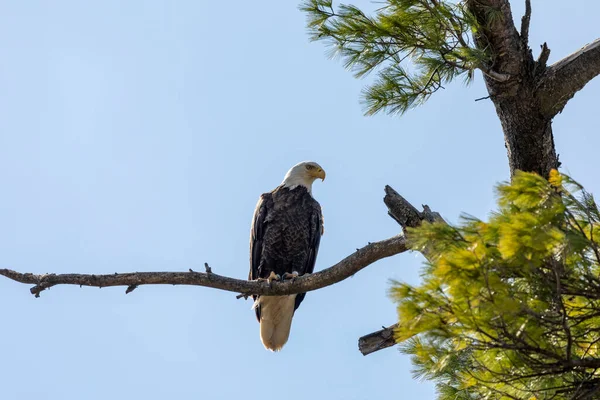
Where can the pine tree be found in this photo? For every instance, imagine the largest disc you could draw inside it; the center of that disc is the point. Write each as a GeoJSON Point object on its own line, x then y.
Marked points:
{"type": "Point", "coordinates": [435, 37]}
{"type": "Point", "coordinates": [509, 308]}
{"type": "Point", "coordinates": [414, 47]}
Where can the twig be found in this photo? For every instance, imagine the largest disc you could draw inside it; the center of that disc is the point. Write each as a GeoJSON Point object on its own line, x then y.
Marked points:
{"type": "Point", "coordinates": [130, 289]}
{"type": "Point", "coordinates": [497, 76]}
{"type": "Point", "coordinates": [525, 21]}
{"type": "Point", "coordinates": [543, 58]}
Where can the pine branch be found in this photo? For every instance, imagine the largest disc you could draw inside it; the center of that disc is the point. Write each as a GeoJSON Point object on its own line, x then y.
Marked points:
{"type": "Point", "coordinates": [414, 48]}
{"type": "Point", "coordinates": [568, 76]}
{"type": "Point", "coordinates": [345, 268]}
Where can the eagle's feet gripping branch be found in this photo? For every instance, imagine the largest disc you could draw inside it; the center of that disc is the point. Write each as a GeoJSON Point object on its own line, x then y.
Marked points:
{"type": "Point", "coordinates": [288, 276]}
{"type": "Point", "coordinates": [272, 277]}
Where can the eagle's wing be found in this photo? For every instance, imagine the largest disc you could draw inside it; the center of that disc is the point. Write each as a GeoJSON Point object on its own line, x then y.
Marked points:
{"type": "Point", "coordinates": [316, 230]}
{"type": "Point", "coordinates": [257, 232]}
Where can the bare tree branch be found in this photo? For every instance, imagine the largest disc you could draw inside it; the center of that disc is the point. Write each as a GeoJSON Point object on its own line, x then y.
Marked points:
{"type": "Point", "coordinates": [525, 21]}
{"type": "Point", "coordinates": [340, 271]}
{"type": "Point", "coordinates": [407, 216]}
{"type": "Point", "coordinates": [376, 341]}
{"type": "Point", "coordinates": [568, 76]}
{"type": "Point", "coordinates": [401, 210]}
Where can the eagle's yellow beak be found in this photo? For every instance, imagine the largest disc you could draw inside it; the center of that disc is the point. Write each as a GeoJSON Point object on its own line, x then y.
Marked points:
{"type": "Point", "coordinates": [320, 173]}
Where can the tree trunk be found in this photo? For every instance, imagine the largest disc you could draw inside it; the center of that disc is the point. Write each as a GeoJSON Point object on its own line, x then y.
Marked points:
{"type": "Point", "coordinates": [534, 93]}
{"type": "Point", "coordinates": [527, 132]}
{"type": "Point", "coordinates": [527, 129]}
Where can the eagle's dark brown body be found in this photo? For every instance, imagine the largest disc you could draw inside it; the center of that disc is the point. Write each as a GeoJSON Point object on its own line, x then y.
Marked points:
{"type": "Point", "coordinates": [285, 235]}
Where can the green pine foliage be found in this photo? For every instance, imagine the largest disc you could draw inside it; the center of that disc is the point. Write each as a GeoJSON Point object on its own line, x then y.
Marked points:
{"type": "Point", "coordinates": [509, 308]}
{"type": "Point", "coordinates": [413, 46]}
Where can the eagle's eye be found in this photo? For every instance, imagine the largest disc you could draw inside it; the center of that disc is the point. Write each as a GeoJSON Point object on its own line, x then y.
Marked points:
{"type": "Point", "coordinates": [309, 167]}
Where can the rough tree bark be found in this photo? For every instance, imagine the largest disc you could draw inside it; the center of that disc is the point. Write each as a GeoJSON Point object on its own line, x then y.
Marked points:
{"type": "Point", "coordinates": [527, 102]}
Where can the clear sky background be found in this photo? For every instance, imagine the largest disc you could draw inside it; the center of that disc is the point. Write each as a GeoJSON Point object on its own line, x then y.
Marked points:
{"type": "Point", "coordinates": [138, 135]}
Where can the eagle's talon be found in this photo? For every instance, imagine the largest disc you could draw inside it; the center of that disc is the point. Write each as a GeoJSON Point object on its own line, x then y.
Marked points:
{"type": "Point", "coordinates": [290, 276]}
{"type": "Point", "coordinates": [273, 277]}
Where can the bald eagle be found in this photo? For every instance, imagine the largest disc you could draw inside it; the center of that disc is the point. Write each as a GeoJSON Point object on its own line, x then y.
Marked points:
{"type": "Point", "coordinates": [284, 241]}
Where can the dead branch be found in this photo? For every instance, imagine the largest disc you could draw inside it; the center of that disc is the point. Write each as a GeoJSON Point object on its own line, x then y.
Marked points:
{"type": "Point", "coordinates": [340, 271]}
{"type": "Point", "coordinates": [543, 58]}
{"type": "Point", "coordinates": [376, 341]}
{"type": "Point", "coordinates": [525, 22]}
{"type": "Point", "coordinates": [407, 216]}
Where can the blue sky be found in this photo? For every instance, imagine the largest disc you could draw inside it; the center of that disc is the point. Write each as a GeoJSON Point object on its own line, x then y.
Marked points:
{"type": "Point", "coordinates": [137, 136]}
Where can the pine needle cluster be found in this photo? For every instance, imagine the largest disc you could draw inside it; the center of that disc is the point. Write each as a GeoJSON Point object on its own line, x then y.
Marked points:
{"type": "Point", "coordinates": [413, 46]}
{"type": "Point", "coordinates": [509, 308]}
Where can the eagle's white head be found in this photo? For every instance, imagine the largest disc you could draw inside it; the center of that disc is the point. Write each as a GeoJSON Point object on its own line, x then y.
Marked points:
{"type": "Point", "coordinates": [303, 174]}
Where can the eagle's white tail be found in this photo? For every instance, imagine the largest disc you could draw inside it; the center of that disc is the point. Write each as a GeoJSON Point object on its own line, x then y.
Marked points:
{"type": "Point", "coordinates": [276, 314]}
